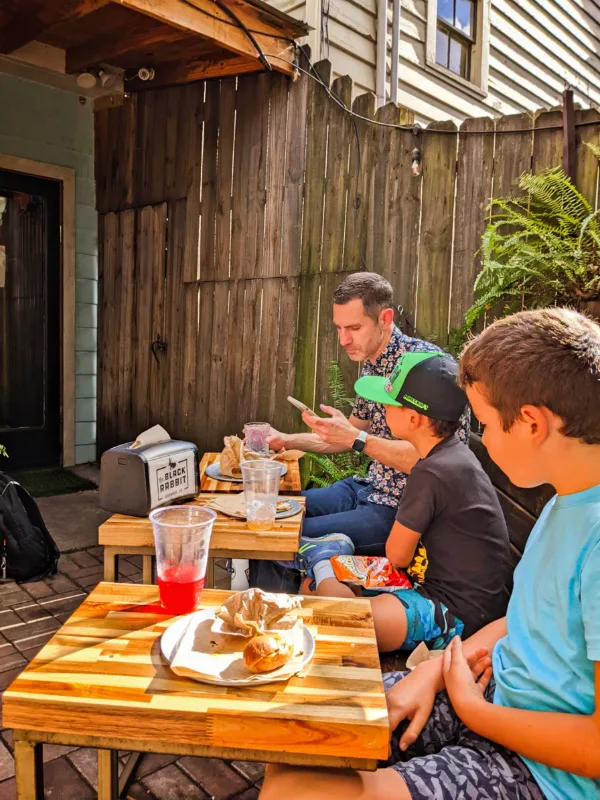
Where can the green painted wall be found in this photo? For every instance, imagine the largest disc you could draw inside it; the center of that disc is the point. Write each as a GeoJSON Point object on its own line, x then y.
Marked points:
{"type": "Point", "coordinates": [51, 125]}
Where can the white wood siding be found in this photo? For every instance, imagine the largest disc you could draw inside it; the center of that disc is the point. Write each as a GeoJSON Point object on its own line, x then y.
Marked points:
{"type": "Point", "coordinates": [536, 48]}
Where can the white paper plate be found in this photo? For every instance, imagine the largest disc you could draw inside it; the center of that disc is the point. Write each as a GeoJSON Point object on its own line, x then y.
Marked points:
{"type": "Point", "coordinates": [171, 637]}
{"type": "Point", "coordinates": [214, 471]}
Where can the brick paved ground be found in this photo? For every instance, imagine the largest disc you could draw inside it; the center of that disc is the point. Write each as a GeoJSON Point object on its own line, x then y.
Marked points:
{"type": "Point", "coordinates": [29, 615]}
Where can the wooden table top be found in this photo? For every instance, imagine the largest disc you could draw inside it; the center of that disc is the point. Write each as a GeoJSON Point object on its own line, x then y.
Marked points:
{"type": "Point", "coordinates": [101, 680]}
{"type": "Point", "coordinates": [290, 482]}
{"type": "Point", "coordinates": [231, 538]}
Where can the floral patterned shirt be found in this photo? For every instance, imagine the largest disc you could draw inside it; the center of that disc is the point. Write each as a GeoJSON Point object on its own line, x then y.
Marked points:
{"type": "Point", "coordinates": [387, 483]}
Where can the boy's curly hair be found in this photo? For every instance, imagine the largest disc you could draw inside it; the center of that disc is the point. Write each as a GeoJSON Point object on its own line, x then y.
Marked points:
{"type": "Point", "coordinates": [549, 357]}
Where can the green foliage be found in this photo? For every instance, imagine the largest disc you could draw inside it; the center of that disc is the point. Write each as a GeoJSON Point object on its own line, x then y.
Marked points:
{"type": "Point", "coordinates": [328, 469]}
{"type": "Point", "coordinates": [539, 249]}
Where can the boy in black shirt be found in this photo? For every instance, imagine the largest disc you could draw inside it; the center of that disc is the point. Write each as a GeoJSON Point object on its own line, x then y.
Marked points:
{"type": "Point", "coordinates": [450, 533]}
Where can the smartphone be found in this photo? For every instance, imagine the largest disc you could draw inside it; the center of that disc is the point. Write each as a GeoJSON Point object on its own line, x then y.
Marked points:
{"type": "Point", "coordinates": [301, 406]}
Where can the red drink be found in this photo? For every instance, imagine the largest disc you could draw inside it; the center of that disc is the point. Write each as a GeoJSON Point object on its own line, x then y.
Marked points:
{"type": "Point", "coordinates": [180, 589]}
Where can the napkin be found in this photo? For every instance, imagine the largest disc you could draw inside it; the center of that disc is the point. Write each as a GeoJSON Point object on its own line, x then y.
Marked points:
{"type": "Point", "coordinates": [233, 504]}
{"type": "Point", "coordinates": [203, 654]}
{"type": "Point", "coordinates": [421, 653]}
{"type": "Point", "coordinates": [151, 436]}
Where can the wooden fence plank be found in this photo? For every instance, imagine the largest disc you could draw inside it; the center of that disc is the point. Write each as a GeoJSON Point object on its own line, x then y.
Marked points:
{"type": "Point", "coordinates": [306, 350]}
{"type": "Point", "coordinates": [218, 404]}
{"type": "Point", "coordinates": [209, 182]}
{"type": "Point", "coordinates": [235, 355]}
{"type": "Point", "coordinates": [191, 345]}
{"type": "Point", "coordinates": [547, 141]}
{"type": "Point", "coordinates": [316, 159]}
{"type": "Point", "coordinates": [158, 126]}
{"type": "Point", "coordinates": [159, 364]}
{"type": "Point", "coordinates": [358, 185]}
{"type": "Point", "coordinates": [473, 194]}
{"type": "Point", "coordinates": [512, 153]}
{"type": "Point", "coordinates": [246, 402]}
{"type": "Point", "coordinates": [327, 349]}
{"type": "Point", "coordinates": [270, 263]}
{"type": "Point", "coordinates": [108, 234]}
{"type": "Point", "coordinates": [172, 367]}
{"type": "Point", "coordinates": [227, 100]}
{"type": "Point", "coordinates": [202, 390]}
{"type": "Point", "coordinates": [338, 143]}
{"type": "Point", "coordinates": [586, 177]}
{"type": "Point", "coordinates": [192, 145]}
{"type": "Point", "coordinates": [268, 348]}
{"type": "Point", "coordinates": [124, 287]}
{"type": "Point", "coordinates": [286, 417]}
{"type": "Point", "coordinates": [435, 249]}
{"type": "Point", "coordinates": [249, 176]}
{"type": "Point", "coordinates": [295, 162]}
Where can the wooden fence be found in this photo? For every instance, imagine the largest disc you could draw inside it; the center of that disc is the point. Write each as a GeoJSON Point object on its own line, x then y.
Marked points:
{"type": "Point", "coordinates": [229, 212]}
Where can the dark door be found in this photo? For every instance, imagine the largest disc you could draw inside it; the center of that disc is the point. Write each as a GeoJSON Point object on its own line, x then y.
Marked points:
{"type": "Point", "coordinates": [29, 321]}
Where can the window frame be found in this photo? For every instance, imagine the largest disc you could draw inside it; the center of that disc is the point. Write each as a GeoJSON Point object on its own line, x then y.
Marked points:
{"type": "Point", "coordinates": [477, 83]}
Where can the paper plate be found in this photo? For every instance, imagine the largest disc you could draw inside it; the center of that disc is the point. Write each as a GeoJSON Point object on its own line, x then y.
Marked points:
{"type": "Point", "coordinates": [214, 471]}
{"type": "Point", "coordinates": [171, 637]}
{"type": "Point", "coordinates": [295, 508]}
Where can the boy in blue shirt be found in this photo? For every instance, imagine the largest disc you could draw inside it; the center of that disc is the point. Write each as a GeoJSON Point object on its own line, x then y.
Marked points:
{"type": "Point", "coordinates": [532, 729]}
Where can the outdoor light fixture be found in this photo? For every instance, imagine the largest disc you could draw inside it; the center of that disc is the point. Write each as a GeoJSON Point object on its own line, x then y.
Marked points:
{"type": "Point", "coordinates": [86, 80]}
{"type": "Point", "coordinates": [108, 80]}
{"type": "Point", "coordinates": [416, 162]}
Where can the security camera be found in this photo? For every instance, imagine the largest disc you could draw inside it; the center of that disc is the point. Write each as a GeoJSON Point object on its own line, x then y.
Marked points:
{"type": "Point", "coordinates": [146, 73]}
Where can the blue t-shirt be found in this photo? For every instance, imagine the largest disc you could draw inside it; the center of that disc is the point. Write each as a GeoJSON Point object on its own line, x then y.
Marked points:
{"type": "Point", "coordinates": [546, 661]}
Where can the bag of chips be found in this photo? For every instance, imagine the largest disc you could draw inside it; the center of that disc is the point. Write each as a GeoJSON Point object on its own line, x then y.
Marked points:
{"type": "Point", "coordinates": [370, 572]}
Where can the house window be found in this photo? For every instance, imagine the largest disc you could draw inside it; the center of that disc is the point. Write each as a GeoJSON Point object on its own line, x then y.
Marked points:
{"type": "Point", "coordinates": [455, 36]}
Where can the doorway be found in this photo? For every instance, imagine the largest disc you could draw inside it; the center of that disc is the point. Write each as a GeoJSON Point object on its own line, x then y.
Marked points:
{"type": "Point", "coordinates": [30, 320]}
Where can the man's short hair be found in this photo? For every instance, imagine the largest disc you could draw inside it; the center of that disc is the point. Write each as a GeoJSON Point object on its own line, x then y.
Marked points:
{"type": "Point", "coordinates": [549, 357]}
{"type": "Point", "coordinates": [375, 292]}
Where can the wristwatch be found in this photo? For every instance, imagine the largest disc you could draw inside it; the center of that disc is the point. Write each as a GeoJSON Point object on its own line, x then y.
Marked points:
{"type": "Point", "coordinates": [360, 442]}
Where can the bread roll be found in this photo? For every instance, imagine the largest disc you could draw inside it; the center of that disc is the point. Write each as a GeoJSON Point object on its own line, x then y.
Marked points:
{"type": "Point", "coordinates": [267, 652]}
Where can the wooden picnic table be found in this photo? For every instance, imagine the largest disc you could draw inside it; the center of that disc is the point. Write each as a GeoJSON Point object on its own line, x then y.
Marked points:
{"type": "Point", "coordinates": [101, 682]}
{"type": "Point", "coordinates": [231, 538]}
{"type": "Point", "coordinates": [290, 482]}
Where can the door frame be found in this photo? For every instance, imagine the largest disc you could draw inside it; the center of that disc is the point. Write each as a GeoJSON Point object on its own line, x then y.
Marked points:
{"type": "Point", "coordinates": [66, 177]}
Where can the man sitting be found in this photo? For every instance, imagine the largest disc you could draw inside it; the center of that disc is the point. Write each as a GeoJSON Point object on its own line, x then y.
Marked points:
{"type": "Point", "coordinates": [449, 532]}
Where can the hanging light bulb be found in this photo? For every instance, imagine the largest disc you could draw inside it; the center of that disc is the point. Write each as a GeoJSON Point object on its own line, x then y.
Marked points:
{"type": "Point", "coordinates": [416, 162]}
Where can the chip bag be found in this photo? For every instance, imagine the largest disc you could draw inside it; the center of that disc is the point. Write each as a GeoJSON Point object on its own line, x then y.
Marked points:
{"type": "Point", "coordinates": [370, 572]}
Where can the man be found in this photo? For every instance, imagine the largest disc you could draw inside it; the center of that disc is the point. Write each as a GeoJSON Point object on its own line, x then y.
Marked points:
{"type": "Point", "coordinates": [363, 509]}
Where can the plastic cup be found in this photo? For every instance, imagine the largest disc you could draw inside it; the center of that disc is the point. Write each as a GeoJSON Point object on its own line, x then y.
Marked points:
{"type": "Point", "coordinates": [181, 537]}
{"type": "Point", "coordinates": [256, 434]}
{"type": "Point", "coordinates": [261, 490]}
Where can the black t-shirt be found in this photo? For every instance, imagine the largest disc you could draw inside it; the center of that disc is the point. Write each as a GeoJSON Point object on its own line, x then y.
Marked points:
{"type": "Point", "coordinates": [451, 502]}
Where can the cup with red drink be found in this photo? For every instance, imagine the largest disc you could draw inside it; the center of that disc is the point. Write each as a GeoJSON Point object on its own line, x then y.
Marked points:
{"type": "Point", "coordinates": [181, 538]}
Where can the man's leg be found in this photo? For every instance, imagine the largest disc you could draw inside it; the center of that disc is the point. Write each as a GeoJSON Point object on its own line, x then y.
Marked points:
{"type": "Point", "coordinates": [340, 496]}
{"type": "Point", "coordinates": [322, 784]}
{"type": "Point", "coordinates": [368, 525]}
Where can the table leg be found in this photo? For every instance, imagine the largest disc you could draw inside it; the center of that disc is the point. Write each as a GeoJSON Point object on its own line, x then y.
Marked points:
{"type": "Point", "coordinates": [128, 773]}
{"type": "Point", "coordinates": [147, 569]}
{"type": "Point", "coordinates": [108, 775]}
{"type": "Point", "coordinates": [110, 565]}
{"type": "Point", "coordinates": [29, 770]}
{"type": "Point", "coordinates": [209, 580]}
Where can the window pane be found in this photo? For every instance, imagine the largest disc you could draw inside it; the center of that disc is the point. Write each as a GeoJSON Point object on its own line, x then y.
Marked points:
{"type": "Point", "coordinates": [464, 17]}
{"type": "Point", "coordinates": [441, 49]}
{"type": "Point", "coordinates": [459, 58]}
{"type": "Point", "coordinates": [446, 10]}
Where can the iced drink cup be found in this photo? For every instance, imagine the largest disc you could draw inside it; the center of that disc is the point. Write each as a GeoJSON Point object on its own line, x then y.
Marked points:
{"type": "Point", "coordinates": [181, 537]}
{"type": "Point", "coordinates": [256, 434]}
{"type": "Point", "coordinates": [261, 490]}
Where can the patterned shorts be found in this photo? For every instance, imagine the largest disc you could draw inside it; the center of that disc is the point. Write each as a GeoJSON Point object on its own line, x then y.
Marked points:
{"type": "Point", "coordinates": [427, 619]}
{"type": "Point", "coordinates": [450, 762]}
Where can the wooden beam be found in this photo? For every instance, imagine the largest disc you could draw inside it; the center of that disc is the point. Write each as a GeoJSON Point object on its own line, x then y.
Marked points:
{"type": "Point", "coordinates": [27, 26]}
{"type": "Point", "coordinates": [108, 48]}
{"type": "Point", "coordinates": [206, 19]}
{"type": "Point", "coordinates": [172, 74]}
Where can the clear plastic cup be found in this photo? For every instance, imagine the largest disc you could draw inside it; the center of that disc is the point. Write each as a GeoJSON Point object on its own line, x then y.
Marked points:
{"type": "Point", "coordinates": [181, 537]}
{"type": "Point", "coordinates": [256, 435]}
{"type": "Point", "coordinates": [261, 490]}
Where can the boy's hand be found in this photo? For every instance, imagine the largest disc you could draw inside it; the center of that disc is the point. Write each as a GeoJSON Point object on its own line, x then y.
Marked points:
{"type": "Point", "coordinates": [413, 697]}
{"type": "Point", "coordinates": [464, 688]}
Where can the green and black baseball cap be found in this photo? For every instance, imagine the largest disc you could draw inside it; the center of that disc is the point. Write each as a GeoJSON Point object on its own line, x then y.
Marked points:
{"type": "Point", "coordinates": [424, 382]}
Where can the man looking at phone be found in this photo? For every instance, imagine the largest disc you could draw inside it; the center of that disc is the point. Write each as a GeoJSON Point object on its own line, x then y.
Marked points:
{"type": "Point", "coordinates": [363, 509]}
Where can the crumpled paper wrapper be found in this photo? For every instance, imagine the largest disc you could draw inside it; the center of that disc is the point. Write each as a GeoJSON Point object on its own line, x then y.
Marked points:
{"type": "Point", "coordinates": [253, 612]}
{"type": "Point", "coordinates": [205, 655]}
{"type": "Point", "coordinates": [235, 452]}
{"type": "Point", "coordinates": [421, 653]}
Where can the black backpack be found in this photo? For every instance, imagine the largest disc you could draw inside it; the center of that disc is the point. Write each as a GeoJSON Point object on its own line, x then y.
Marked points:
{"type": "Point", "coordinates": [27, 551]}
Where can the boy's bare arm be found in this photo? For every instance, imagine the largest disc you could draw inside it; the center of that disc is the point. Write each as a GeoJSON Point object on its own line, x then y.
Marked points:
{"type": "Point", "coordinates": [401, 545]}
{"type": "Point", "coordinates": [570, 742]}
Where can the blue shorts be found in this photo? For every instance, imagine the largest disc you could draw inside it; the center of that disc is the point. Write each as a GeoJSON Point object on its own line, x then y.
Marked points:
{"type": "Point", "coordinates": [427, 619]}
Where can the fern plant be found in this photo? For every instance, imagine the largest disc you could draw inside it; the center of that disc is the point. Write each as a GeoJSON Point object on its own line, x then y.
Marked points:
{"type": "Point", "coordinates": [328, 469]}
{"type": "Point", "coordinates": [539, 249]}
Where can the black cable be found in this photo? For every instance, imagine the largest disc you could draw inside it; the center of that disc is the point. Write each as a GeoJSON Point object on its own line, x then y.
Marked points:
{"type": "Point", "coordinates": [238, 23]}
